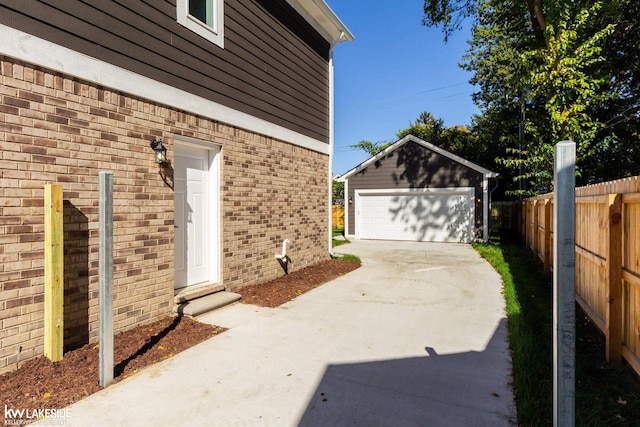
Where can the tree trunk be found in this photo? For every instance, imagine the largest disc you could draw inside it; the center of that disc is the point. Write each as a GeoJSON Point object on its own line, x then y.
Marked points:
{"type": "Point", "coordinates": [538, 20]}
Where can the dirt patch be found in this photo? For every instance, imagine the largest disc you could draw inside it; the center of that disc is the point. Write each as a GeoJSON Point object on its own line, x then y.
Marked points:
{"type": "Point", "coordinates": [42, 384]}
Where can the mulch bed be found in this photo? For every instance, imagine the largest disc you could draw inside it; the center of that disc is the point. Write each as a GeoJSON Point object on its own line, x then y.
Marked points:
{"type": "Point", "coordinates": [42, 384]}
{"type": "Point", "coordinates": [286, 288]}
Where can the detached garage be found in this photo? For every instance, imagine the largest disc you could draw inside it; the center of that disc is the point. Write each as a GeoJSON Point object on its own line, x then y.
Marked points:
{"type": "Point", "coordinates": [416, 191]}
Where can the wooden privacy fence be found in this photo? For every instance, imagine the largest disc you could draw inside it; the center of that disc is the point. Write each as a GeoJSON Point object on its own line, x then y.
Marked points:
{"type": "Point", "coordinates": [337, 216]}
{"type": "Point", "coordinates": [607, 258]}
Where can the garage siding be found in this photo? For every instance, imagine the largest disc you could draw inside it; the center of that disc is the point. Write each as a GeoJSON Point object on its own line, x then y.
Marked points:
{"type": "Point", "coordinates": [413, 166]}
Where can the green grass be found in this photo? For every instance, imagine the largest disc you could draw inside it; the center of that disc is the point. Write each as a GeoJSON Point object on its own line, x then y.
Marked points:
{"type": "Point", "coordinates": [606, 395]}
{"type": "Point", "coordinates": [347, 257]}
{"type": "Point", "coordinates": [337, 242]}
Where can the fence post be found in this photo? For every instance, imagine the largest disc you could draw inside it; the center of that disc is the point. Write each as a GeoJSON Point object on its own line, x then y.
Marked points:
{"type": "Point", "coordinates": [105, 278]}
{"type": "Point", "coordinates": [525, 222]}
{"type": "Point", "coordinates": [525, 228]}
{"type": "Point", "coordinates": [547, 236]}
{"type": "Point", "coordinates": [536, 229]}
{"type": "Point", "coordinates": [53, 273]}
{"type": "Point", "coordinates": [530, 223]}
{"type": "Point", "coordinates": [564, 270]}
{"type": "Point", "coordinates": [613, 316]}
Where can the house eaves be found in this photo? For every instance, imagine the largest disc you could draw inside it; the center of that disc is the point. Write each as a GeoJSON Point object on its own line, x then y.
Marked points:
{"type": "Point", "coordinates": [323, 19]}
{"type": "Point", "coordinates": [486, 172]}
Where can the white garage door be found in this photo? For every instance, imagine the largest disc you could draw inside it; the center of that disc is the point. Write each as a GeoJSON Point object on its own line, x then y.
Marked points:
{"type": "Point", "coordinates": [433, 215]}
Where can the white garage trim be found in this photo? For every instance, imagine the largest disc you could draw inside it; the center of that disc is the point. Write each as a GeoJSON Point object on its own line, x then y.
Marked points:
{"type": "Point", "coordinates": [483, 185]}
{"type": "Point", "coordinates": [411, 138]}
{"type": "Point", "coordinates": [485, 209]}
{"type": "Point", "coordinates": [347, 231]}
{"type": "Point", "coordinates": [464, 234]}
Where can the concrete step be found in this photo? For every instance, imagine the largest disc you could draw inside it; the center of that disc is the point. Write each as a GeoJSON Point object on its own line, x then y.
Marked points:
{"type": "Point", "coordinates": [197, 291]}
{"type": "Point", "coordinates": [196, 307]}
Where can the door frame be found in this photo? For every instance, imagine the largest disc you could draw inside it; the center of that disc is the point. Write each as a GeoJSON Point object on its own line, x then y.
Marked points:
{"type": "Point", "coordinates": [214, 200]}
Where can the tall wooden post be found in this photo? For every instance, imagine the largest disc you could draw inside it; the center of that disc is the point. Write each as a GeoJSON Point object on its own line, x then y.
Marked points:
{"type": "Point", "coordinates": [547, 236]}
{"type": "Point", "coordinates": [105, 278]}
{"type": "Point", "coordinates": [613, 316]}
{"type": "Point", "coordinates": [53, 273]}
{"type": "Point", "coordinates": [525, 223]}
{"type": "Point", "coordinates": [536, 226]}
{"type": "Point", "coordinates": [564, 280]}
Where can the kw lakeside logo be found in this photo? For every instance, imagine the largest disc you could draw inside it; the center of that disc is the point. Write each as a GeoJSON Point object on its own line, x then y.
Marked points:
{"type": "Point", "coordinates": [17, 417]}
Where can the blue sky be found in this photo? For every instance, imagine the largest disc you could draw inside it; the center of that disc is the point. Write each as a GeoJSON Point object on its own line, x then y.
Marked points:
{"type": "Point", "coordinates": [394, 70]}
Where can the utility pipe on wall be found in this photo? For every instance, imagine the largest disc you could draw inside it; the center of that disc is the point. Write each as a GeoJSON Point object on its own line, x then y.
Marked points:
{"type": "Point", "coordinates": [283, 256]}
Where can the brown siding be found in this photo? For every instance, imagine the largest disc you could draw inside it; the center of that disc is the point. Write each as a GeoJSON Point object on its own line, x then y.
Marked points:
{"type": "Point", "coordinates": [274, 65]}
{"type": "Point", "coordinates": [414, 166]}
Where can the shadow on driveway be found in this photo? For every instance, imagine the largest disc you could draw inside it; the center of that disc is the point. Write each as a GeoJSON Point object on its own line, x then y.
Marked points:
{"type": "Point", "coordinates": [434, 390]}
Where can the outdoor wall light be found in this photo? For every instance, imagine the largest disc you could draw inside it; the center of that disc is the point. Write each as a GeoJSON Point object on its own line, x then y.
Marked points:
{"type": "Point", "coordinates": [160, 150]}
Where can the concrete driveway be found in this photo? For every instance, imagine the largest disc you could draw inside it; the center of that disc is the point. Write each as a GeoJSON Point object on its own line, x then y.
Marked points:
{"type": "Point", "coordinates": [416, 336]}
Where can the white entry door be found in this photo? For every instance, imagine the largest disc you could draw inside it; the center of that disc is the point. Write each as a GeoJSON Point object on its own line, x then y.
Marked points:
{"type": "Point", "coordinates": [195, 217]}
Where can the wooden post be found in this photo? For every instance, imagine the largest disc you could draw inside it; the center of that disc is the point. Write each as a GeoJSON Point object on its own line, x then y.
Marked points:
{"type": "Point", "coordinates": [525, 223]}
{"type": "Point", "coordinates": [613, 316]}
{"type": "Point", "coordinates": [536, 234]}
{"type": "Point", "coordinates": [53, 273]}
{"type": "Point", "coordinates": [547, 236]}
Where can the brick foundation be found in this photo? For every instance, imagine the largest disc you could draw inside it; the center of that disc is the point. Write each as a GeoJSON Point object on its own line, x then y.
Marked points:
{"type": "Point", "coordinates": [55, 129]}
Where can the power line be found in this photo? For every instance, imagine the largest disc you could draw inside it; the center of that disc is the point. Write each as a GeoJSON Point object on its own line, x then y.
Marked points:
{"type": "Point", "coordinates": [412, 94]}
{"type": "Point", "coordinates": [442, 87]}
{"type": "Point", "coordinates": [457, 94]}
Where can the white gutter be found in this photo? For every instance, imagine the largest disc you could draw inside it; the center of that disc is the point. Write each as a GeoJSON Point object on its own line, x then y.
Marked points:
{"type": "Point", "coordinates": [485, 208]}
{"type": "Point", "coordinates": [322, 19]}
{"type": "Point", "coordinates": [330, 27]}
{"type": "Point", "coordinates": [331, 137]}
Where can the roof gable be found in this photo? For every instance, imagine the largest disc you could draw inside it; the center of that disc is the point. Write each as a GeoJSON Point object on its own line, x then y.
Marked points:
{"type": "Point", "coordinates": [485, 172]}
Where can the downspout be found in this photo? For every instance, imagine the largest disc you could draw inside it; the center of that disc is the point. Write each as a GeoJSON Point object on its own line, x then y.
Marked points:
{"type": "Point", "coordinates": [331, 135]}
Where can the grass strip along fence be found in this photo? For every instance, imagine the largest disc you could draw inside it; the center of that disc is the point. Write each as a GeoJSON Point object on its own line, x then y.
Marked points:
{"type": "Point", "coordinates": [606, 394]}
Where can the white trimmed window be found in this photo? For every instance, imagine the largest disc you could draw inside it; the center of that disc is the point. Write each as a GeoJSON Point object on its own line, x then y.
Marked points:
{"type": "Point", "coordinates": [203, 17]}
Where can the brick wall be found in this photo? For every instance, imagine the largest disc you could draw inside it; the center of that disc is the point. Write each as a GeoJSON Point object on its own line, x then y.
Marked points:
{"type": "Point", "coordinates": [271, 191]}
{"type": "Point", "coordinates": [56, 129]}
